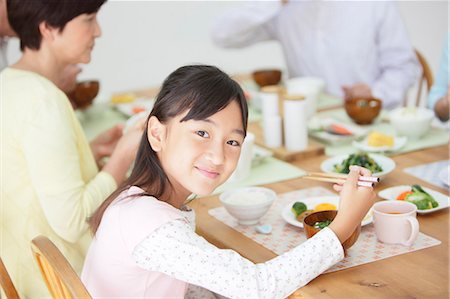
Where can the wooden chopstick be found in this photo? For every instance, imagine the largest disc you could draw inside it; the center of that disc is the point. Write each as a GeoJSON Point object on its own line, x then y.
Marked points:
{"type": "Point", "coordinates": [338, 178]}
{"type": "Point", "coordinates": [343, 176]}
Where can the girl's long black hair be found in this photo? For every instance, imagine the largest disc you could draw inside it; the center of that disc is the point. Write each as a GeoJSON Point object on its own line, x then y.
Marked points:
{"type": "Point", "coordinates": [203, 90]}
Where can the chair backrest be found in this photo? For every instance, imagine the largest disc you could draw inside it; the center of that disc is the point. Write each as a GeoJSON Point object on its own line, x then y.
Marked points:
{"type": "Point", "coordinates": [6, 283]}
{"type": "Point", "coordinates": [426, 78]}
{"type": "Point", "coordinates": [61, 279]}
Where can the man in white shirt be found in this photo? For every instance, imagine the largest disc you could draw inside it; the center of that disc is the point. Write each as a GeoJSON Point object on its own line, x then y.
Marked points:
{"type": "Point", "coordinates": [358, 48]}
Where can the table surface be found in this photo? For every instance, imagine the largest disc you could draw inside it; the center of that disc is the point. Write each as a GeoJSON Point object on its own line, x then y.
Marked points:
{"type": "Point", "coordinates": [420, 274]}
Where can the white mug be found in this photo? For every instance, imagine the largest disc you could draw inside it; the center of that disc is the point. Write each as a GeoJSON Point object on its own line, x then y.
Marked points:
{"type": "Point", "coordinates": [395, 222]}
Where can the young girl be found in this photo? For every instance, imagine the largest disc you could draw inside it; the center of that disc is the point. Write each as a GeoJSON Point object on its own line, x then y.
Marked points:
{"type": "Point", "coordinates": [144, 247]}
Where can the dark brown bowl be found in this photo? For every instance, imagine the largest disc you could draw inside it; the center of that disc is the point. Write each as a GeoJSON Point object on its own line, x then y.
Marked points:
{"type": "Point", "coordinates": [267, 77]}
{"type": "Point", "coordinates": [310, 230]}
{"type": "Point", "coordinates": [363, 111]}
{"type": "Point", "coordinates": [84, 93]}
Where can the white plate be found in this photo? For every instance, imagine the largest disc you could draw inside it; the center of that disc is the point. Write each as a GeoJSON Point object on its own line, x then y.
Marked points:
{"type": "Point", "coordinates": [387, 164]}
{"type": "Point", "coordinates": [311, 203]}
{"type": "Point", "coordinates": [135, 107]}
{"type": "Point", "coordinates": [393, 192]}
{"type": "Point", "coordinates": [444, 175]}
{"type": "Point", "coordinates": [399, 142]}
{"type": "Point", "coordinates": [317, 125]}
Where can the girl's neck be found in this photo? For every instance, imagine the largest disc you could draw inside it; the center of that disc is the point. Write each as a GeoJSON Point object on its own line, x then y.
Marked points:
{"type": "Point", "coordinates": [40, 62]}
{"type": "Point", "coordinates": [175, 199]}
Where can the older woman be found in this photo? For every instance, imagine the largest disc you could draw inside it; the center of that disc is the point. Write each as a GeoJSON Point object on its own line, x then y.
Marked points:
{"type": "Point", "coordinates": [50, 179]}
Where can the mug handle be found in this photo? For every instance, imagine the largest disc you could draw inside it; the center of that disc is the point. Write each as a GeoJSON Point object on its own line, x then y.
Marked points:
{"type": "Point", "coordinates": [414, 231]}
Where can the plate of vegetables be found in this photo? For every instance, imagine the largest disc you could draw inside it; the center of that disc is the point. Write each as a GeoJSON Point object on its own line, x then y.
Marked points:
{"type": "Point", "coordinates": [426, 200]}
{"type": "Point", "coordinates": [379, 165]}
{"type": "Point", "coordinates": [294, 212]}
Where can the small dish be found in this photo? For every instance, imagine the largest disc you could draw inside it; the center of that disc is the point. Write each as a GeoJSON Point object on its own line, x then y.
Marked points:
{"type": "Point", "coordinates": [259, 155]}
{"type": "Point", "coordinates": [363, 145]}
{"type": "Point", "coordinates": [387, 164]}
{"type": "Point", "coordinates": [444, 175]}
{"type": "Point", "coordinates": [392, 193]}
{"type": "Point", "coordinates": [332, 131]}
{"type": "Point", "coordinates": [311, 203]}
{"type": "Point", "coordinates": [135, 107]}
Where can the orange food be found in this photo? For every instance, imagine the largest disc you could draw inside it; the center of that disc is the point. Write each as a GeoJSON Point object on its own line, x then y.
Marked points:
{"type": "Point", "coordinates": [138, 109]}
{"type": "Point", "coordinates": [324, 207]}
{"type": "Point", "coordinates": [340, 130]}
{"type": "Point", "coordinates": [402, 196]}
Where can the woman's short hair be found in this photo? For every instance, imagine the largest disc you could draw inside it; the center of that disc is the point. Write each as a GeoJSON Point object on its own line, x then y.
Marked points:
{"type": "Point", "coordinates": [25, 16]}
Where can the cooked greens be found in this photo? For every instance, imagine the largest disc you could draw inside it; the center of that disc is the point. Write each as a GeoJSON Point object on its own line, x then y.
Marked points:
{"type": "Point", "coordinates": [322, 224]}
{"type": "Point", "coordinates": [360, 159]}
{"type": "Point", "coordinates": [298, 208]}
{"type": "Point", "coordinates": [421, 198]}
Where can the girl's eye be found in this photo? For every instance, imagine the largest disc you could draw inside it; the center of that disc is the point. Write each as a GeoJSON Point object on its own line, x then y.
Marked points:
{"type": "Point", "coordinates": [233, 143]}
{"type": "Point", "coordinates": [203, 134]}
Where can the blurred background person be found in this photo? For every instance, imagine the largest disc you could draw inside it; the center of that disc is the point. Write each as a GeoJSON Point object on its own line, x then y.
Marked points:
{"type": "Point", "coordinates": [438, 98]}
{"type": "Point", "coordinates": [360, 49]}
{"type": "Point", "coordinates": [51, 182]}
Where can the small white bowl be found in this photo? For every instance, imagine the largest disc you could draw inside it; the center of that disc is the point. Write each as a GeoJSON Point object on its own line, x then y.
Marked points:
{"type": "Point", "coordinates": [248, 204]}
{"type": "Point", "coordinates": [412, 122]}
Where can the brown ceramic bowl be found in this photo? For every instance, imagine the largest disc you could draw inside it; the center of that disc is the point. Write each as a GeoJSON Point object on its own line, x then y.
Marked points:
{"type": "Point", "coordinates": [310, 230]}
{"type": "Point", "coordinates": [267, 77]}
{"type": "Point", "coordinates": [363, 111]}
{"type": "Point", "coordinates": [84, 93]}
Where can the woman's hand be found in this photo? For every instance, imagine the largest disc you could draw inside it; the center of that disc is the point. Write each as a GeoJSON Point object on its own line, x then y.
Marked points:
{"type": "Point", "coordinates": [359, 90]}
{"type": "Point", "coordinates": [124, 152]}
{"type": "Point", "coordinates": [354, 204]}
{"type": "Point", "coordinates": [105, 143]}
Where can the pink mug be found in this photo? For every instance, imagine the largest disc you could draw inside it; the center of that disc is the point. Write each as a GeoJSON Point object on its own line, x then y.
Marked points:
{"type": "Point", "coordinates": [395, 222]}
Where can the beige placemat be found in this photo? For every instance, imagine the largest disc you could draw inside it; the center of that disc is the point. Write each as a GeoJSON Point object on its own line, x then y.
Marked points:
{"type": "Point", "coordinates": [435, 137]}
{"type": "Point", "coordinates": [285, 236]}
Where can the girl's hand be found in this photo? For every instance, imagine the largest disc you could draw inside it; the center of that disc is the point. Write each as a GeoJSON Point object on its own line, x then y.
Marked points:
{"type": "Point", "coordinates": [354, 204]}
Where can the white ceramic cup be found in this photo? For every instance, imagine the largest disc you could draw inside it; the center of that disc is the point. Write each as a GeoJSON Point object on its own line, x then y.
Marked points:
{"type": "Point", "coordinates": [395, 222]}
{"type": "Point", "coordinates": [273, 134]}
{"type": "Point", "coordinates": [244, 165]}
{"type": "Point", "coordinates": [310, 87]}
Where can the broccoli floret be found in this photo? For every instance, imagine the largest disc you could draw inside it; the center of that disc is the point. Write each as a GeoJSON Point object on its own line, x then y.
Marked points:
{"type": "Point", "coordinates": [298, 208]}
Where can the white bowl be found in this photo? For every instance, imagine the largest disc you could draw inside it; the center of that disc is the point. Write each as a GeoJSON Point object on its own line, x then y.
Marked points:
{"type": "Point", "coordinates": [387, 164]}
{"type": "Point", "coordinates": [412, 122]}
{"type": "Point", "coordinates": [248, 204]}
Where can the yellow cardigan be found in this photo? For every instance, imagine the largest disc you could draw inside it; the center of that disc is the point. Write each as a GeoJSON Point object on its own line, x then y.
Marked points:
{"type": "Point", "coordinates": [50, 182]}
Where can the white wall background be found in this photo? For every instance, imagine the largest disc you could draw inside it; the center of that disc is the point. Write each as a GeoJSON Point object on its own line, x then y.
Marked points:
{"type": "Point", "coordinates": [143, 41]}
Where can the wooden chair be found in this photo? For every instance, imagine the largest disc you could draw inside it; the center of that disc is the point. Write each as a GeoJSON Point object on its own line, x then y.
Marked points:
{"type": "Point", "coordinates": [426, 77]}
{"type": "Point", "coordinates": [6, 283]}
{"type": "Point", "coordinates": [61, 280]}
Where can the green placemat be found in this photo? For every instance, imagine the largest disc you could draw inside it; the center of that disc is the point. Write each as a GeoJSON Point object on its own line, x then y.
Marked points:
{"type": "Point", "coordinates": [270, 170]}
{"type": "Point", "coordinates": [98, 118]}
{"type": "Point", "coordinates": [434, 137]}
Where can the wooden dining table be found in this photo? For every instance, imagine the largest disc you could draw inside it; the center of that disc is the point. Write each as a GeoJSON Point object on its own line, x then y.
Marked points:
{"type": "Point", "coordinates": [419, 274]}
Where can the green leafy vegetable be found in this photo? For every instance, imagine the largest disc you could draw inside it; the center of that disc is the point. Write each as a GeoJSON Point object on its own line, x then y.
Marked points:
{"type": "Point", "coordinates": [298, 208]}
{"type": "Point", "coordinates": [360, 159]}
{"type": "Point", "coordinates": [421, 198]}
{"type": "Point", "coordinates": [322, 224]}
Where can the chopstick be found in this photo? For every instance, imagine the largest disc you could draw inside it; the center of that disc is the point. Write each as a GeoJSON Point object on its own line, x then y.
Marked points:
{"type": "Point", "coordinates": [339, 178]}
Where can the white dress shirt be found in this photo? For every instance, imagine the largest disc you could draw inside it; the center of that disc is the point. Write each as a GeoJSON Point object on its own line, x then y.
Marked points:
{"type": "Point", "coordinates": [176, 250]}
{"type": "Point", "coordinates": [342, 42]}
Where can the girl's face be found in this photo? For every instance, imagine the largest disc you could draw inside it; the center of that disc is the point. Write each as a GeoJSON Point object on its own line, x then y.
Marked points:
{"type": "Point", "coordinates": [199, 155]}
{"type": "Point", "coordinates": [75, 43]}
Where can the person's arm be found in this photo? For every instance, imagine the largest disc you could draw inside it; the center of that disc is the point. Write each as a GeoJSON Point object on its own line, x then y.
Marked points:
{"type": "Point", "coordinates": [55, 157]}
{"type": "Point", "coordinates": [397, 60]}
{"type": "Point", "coordinates": [174, 249]}
{"type": "Point", "coordinates": [245, 25]}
